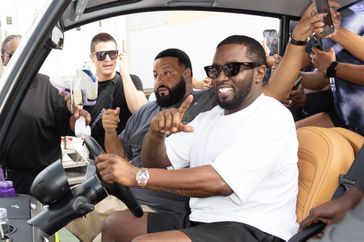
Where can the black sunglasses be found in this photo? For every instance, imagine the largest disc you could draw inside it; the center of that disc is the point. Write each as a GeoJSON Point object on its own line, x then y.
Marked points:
{"type": "Point", "coordinates": [229, 69]}
{"type": "Point", "coordinates": [101, 55]}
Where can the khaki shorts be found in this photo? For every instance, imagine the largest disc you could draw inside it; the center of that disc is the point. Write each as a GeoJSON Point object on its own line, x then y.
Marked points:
{"type": "Point", "coordinates": [89, 226]}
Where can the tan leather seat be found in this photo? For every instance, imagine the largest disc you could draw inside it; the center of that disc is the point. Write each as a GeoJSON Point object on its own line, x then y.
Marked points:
{"type": "Point", "coordinates": [356, 140]}
{"type": "Point", "coordinates": [323, 155]}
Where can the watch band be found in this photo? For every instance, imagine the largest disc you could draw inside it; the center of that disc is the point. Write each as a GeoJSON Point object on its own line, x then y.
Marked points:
{"type": "Point", "coordinates": [142, 177]}
{"type": "Point", "coordinates": [298, 42]}
{"type": "Point", "coordinates": [331, 70]}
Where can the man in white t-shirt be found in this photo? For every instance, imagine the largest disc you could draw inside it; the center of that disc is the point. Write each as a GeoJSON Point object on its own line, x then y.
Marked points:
{"type": "Point", "coordinates": [237, 162]}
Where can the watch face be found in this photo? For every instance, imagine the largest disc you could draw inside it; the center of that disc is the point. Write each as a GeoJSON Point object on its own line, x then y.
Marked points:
{"type": "Point", "coordinates": [142, 177]}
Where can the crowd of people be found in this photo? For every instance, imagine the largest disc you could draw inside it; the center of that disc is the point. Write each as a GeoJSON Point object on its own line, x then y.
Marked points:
{"type": "Point", "coordinates": [192, 157]}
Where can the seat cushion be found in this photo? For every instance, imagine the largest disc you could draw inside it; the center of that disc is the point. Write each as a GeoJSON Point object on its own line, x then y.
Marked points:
{"type": "Point", "coordinates": [355, 139]}
{"type": "Point", "coordinates": [323, 155]}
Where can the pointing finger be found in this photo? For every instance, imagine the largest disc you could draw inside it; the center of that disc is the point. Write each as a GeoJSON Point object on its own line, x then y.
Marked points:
{"type": "Point", "coordinates": [185, 105]}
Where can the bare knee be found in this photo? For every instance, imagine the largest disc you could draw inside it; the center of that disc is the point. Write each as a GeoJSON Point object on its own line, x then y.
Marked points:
{"type": "Point", "coordinates": [108, 222]}
{"type": "Point", "coordinates": [108, 226]}
{"type": "Point", "coordinates": [123, 226]}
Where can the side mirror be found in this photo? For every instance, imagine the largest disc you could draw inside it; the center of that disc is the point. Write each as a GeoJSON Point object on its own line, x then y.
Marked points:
{"type": "Point", "coordinates": [57, 38]}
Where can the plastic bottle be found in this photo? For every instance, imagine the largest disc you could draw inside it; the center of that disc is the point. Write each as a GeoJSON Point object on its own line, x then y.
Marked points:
{"type": "Point", "coordinates": [4, 223]}
{"type": "Point", "coordinates": [7, 189]}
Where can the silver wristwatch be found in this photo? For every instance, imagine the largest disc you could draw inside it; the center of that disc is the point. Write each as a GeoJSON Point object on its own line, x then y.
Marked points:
{"type": "Point", "coordinates": [142, 177]}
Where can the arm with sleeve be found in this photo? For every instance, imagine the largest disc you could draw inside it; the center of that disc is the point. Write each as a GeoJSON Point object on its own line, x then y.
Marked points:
{"type": "Point", "coordinates": [256, 158]}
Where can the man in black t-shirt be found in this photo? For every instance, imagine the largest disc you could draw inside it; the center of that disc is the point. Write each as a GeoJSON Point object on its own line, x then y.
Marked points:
{"type": "Point", "coordinates": [114, 89]}
{"type": "Point", "coordinates": [34, 139]}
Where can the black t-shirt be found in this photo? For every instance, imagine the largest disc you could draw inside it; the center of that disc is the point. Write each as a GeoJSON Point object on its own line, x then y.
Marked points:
{"type": "Point", "coordinates": [33, 141]}
{"type": "Point", "coordinates": [110, 95]}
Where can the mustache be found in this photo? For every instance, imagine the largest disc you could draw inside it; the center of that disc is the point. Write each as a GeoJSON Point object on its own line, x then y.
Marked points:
{"type": "Point", "coordinates": [162, 86]}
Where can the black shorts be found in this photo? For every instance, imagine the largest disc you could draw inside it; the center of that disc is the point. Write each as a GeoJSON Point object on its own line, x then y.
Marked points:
{"type": "Point", "coordinates": [227, 231]}
{"type": "Point", "coordinates": [211, 232]}
{"type": "Point", "coordinates": [158, 222]}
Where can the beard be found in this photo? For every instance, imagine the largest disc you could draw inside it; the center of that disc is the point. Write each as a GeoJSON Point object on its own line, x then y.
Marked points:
{"type": "Point", "coordinates": [241, 93]}
{"type": "Point", "coordinates": [175, 94]}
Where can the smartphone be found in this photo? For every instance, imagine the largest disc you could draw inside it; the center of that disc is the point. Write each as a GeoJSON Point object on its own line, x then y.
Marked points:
{"type": "Point", "coordinates": [271, 37]}
{"type": "Point", "coordinates": [297, 82]}
{"type": "Point", "coordinates": [322, 6]}
{"type": "Point", "coordinates": [317, 42]}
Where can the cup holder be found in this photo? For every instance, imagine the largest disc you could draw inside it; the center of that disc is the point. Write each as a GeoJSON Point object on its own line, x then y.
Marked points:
{"type": "Point", "coordinates": [9, 229]}
{"type": "Point", "coordinates": [7, 238]}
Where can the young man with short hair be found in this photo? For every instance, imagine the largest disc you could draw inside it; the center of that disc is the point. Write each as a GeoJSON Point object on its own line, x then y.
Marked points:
{"type": "Point", "coordinates": [114, 89]}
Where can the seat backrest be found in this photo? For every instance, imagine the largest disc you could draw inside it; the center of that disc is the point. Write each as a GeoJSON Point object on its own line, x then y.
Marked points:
{"type": "Point", "coordinates": [323, 155]}
{"type": "Point", "coordinates": [355, 139]}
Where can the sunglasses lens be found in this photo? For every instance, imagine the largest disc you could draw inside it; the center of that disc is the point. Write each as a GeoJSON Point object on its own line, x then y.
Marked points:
{"type": "Point", "coordinates": [212, 71]}
{"type": "Point", "coordinates": [231, 69]}
{"type": "Point", "coordinates": [101, 55]}
{"type": "Point", "coordinates": [112, 54]}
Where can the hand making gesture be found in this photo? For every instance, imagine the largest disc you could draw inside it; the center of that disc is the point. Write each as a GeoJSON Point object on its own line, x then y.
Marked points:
{"type": "Point", "coordinates": [110, 120]}
{"type": "Point", "coordinates": [169, 121]}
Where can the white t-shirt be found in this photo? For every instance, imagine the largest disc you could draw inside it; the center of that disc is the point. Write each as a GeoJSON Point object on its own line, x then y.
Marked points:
{"type": "Point", "coordinates": [255, 152]}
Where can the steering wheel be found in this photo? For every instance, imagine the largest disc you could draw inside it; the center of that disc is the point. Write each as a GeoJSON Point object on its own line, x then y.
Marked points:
{"type": "Point", "coordinates": [121, 192]}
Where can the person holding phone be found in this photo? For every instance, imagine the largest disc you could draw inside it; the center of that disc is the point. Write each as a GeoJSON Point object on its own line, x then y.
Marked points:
{"type": "Point", "coordinates": [322, 6]}
{"type": "Point", "coordinates": [345, 66]}
{"type": "Point", "coordinates": [340, 65]}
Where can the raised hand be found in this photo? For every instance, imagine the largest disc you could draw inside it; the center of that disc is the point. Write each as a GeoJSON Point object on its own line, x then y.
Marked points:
{"type": "Point", "coordinates": [311, 22]}
{"type": "Point", "coordinates": [169, 121]}
{"type": "Point", "coordinates": [322, 59]}
{"type": "Point", "coordinates": [335, 16]}
{"type": "Point", "coordinates": [123, 62]}
{"type": "Point", "coordinates": [110, 120]}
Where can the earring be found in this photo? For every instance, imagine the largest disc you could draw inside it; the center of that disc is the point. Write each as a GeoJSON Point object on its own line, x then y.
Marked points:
{"type": "Point", "coordinates": [257, 81]}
